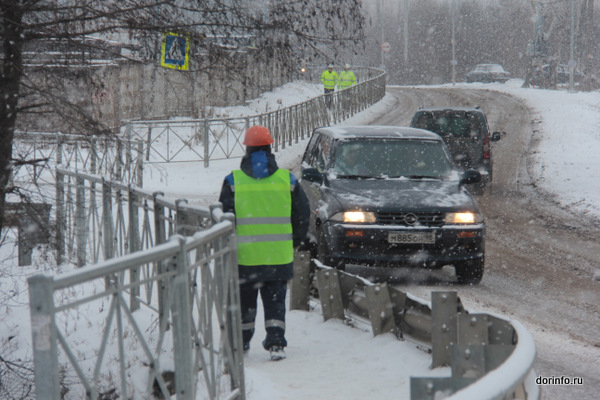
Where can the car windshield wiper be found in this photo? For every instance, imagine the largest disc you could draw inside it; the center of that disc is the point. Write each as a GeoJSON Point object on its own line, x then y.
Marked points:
{"type": "Point", "coordinates": [423, 177]}
{"type": "Point", "coordinates": [356, 176]}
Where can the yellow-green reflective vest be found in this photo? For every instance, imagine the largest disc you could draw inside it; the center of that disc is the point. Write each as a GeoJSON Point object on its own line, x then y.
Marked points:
{"type": "Point", "coordinates": [329, 79]}
{"type": "Point", "coordinates": [346, 79]}
{"type": "Point", "coordinates": [263, 210]}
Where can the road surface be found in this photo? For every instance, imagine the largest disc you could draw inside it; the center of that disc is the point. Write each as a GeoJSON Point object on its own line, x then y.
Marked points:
{"type": "Point", "coordinates": [540, 258]}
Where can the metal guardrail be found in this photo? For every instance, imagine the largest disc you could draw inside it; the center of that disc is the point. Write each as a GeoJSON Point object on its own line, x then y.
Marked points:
{"type": "Point", "coordinates": [188, 285]}
{"type": "Point", "coordinates": [208, 139]}
{"type": "Point", "coordinates": [490, 357]}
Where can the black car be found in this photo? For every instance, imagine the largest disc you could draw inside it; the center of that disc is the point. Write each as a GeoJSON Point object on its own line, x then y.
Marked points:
{"type": "Point", "coordinates": [488, 73]}
{"type": "Point", "coordinates": [391, 196]}
{"type": "Point", "coordinates": [466, 133]}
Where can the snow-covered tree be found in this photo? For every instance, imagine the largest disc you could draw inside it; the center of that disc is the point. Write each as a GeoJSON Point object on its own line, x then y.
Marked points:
{"type": "Point", "coordinates": [45, 43]}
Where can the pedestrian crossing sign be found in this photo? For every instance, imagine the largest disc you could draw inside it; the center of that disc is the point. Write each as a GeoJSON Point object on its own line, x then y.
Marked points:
{"type": "Point", "coordinates": [175, 51]}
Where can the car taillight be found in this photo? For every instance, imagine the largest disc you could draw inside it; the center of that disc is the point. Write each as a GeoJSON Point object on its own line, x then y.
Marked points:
{"type": "Point", "coordinates": [486, 146]}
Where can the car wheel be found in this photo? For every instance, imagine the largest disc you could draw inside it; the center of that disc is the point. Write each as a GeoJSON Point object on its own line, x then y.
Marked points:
{"type": "Point", "coordinates": [323, 254]}
{"type": "Point", "coordinates": [469, 272]}
{"type": "Point", "coordinates": [477, 189]}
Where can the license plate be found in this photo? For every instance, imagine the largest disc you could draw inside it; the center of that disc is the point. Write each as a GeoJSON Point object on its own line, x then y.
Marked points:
{"type": "Point", "coordinates": [411, 237]}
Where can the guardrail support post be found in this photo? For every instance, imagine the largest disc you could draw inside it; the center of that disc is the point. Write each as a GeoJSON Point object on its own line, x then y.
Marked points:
{"type": "Point", "coordinates": [330, 294]}
{"type": "Point", "coordinates": [443, 326]}
{"type": "Point", "coordinates": [300, 285]}
{"type": "Point", "coordinates": [380, 309]}
{"type": "Point", "coordinates": [41, 307]}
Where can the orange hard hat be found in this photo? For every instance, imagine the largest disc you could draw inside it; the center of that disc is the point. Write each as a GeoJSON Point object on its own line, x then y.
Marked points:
{"type": "Point", "coordinates": [258, 136]}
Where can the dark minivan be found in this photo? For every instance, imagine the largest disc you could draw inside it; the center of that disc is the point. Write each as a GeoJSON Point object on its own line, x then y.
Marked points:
{"type": "Point", "coordinates": [392, 196]}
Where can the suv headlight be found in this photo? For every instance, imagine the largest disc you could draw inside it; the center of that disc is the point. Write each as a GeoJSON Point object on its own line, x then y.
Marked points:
{"type": "Point", "coordinates": [354, 217]}
{"type": "Point", "coordinates": [463, 218]}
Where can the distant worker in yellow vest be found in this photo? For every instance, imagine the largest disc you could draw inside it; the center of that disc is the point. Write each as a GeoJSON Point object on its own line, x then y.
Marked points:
{"type": "Point", "coordinates": [346, 78]}
{"type": "Point", "coordinates": [271, 217]}
{"type": "Point", "coordinates": [329, 79]}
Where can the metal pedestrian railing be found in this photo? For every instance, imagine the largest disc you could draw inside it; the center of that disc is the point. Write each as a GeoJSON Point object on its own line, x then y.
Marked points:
{"type": "Point", "coordinates": [171, 312]}
{"type": "Point", "coordinates": [120, 160]}
{"type": "Point", "coordinates": [98, 219]}
{"type": "Point", "coordinates": [189, 140]}
{"type": "Point", "coordinates": [186, 140]}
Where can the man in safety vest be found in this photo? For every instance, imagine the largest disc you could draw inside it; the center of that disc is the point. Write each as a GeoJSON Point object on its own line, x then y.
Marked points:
{"type": "Point", "coordinates": [329, 79]}
{"type": "Point", "coordinates": [272, 216]}
{"type": "Point", "coordinates": [346, 78]}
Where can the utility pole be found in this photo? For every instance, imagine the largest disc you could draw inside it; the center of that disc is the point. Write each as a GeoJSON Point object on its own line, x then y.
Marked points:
{"type": "Point", "coordinates": [453, 61]}
{"type": "Point", "coordinates": [405, 13]}
{"type": "Point", "coordinates": [382, 19]}
{"type": "Point", "coordinates": [572, 62]}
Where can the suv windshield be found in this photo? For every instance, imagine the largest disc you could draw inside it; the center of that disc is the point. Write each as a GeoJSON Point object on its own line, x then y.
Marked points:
{"type": "Point", "coordinates": [454, 124]}
{"type": "Point", "coordinates": [391, 158]}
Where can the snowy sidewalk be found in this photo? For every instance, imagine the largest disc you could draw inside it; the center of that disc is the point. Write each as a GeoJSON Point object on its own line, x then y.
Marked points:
{"type": "Point", "coordinates": [329, 360]}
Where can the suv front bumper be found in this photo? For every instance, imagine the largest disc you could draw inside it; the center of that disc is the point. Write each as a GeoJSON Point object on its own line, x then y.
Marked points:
{"type": "Point", "coordinates": [368, 244]}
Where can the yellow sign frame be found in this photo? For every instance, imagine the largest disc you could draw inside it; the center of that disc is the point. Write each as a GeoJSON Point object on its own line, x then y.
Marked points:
{"type": "Point", "coordinates": [171, 54]}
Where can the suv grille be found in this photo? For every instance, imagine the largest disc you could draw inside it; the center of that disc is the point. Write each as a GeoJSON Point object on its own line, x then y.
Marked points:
{"type": "Point", "coordinates": [406, 219]}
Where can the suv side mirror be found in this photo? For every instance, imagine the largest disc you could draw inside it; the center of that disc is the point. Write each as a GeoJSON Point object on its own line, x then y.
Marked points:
{"type": "Point", "coordinates": [497, 136]}
{"type": "Point", "coordinates": [312, 175]}
{"type": "Point", "coordinates": [470, 176]}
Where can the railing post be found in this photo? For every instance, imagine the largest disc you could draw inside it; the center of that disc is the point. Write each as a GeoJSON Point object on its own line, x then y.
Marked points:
{"type": "Point", "coordinates": [94, 155]}
{"type": "Point", "coordinates": [160, 237]}
{"type": "Point", "coordinates": [43, 331]}
{"type": "Point", "coordinates": [59, 150]}
{"type": "Point", "coordinates": [234, 315]}
{"type": "Point", "coordinates": [119, 160]}
{"type": "Point", "coordinates": [80, 223]}
{"type": "Point", "coordinates": [206, 142]}
{"type": "Point", "coordinates": [160, 233]}
{"type": "Point", "coordinates": [185, 379]}
{"type": "Point", "coordinates": [134, 245]}
{"type": "Point", "coordinates": [60, 217]}
{"type": "Point", "coordinates": [140, 164]}
{"type": "Point", "coordinates": [107, 227]}
{"type": "Point", "coordinates": [107, 222]}
{"type": "Point", "coordinates": [180, 218]}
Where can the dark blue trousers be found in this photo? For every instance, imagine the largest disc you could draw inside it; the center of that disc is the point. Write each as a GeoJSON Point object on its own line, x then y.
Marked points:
{"type": "Point", "coordinates": [272, 294]}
